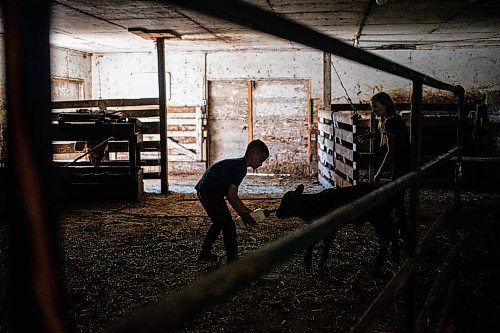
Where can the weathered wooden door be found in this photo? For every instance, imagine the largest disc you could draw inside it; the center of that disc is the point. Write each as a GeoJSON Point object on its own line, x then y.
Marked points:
{"type": "Point", "coordinates": [280, 111]}
{"type": "Point", "coordinates": [278, 114]}
{"type": "Point", "coordinates": [227, 119]}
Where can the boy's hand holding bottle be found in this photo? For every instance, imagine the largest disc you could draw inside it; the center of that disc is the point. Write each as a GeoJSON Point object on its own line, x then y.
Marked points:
{"type": "Point", "coordinates": [252, 218]}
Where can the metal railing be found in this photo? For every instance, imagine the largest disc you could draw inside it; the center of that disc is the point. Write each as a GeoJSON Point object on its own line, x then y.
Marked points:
{"type": "Point", "coordinates": [212, 289]}
{"type": "Point", "coordinates": [32, 277]}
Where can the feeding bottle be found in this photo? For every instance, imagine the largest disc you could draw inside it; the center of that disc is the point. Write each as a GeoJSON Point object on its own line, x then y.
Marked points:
{"type": "Point", "coordinates": [258, 215]}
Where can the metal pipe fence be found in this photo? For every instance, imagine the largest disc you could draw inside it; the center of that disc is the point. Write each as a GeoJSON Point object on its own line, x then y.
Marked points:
{"type": "Point", "coordinates": [172, 312]}
{"type": "Point", "coordinates": [35, 230]}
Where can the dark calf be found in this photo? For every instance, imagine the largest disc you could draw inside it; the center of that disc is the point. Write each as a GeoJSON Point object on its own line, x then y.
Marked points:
{"type": "Point", "coordinates": [310, 206]}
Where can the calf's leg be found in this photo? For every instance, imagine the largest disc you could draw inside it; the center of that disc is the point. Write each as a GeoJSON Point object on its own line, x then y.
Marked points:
{"type": "Point", "coordinates": [308, 256]}
{"type": "Point", "coordinates": [327, 244]}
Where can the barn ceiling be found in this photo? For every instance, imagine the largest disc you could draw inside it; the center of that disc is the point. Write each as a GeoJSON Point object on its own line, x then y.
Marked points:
{"type": "Point", "coordinates": [104, 26]}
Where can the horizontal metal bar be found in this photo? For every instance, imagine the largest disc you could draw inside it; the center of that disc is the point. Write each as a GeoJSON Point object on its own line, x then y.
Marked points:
{"type": "Point", "coordinates": [478, 159]}
{"type": "Point", "coordinates": [443, 218]}
{"type": "Point", "coordinates": [266, 21]}
{"type": "Point", "coordinates": [386, 297]}
{"type": "Point", "coordinates": [173, 311]}
{"type": "Point", "coordinates": [392, 289]}
{"type": "Point", "coordinates": [443, 276]}
{"type": "Point", "coordinates": [402, 106]}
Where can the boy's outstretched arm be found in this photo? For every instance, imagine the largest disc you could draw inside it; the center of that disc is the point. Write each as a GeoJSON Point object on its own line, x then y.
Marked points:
{"type": "Point", "coordinates": [239, 206]}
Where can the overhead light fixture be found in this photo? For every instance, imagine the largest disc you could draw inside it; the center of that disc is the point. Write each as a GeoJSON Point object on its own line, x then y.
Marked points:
{"type": "Point", "coordinates": [381, 2]}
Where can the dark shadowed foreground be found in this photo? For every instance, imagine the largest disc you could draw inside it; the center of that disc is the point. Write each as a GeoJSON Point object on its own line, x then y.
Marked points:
{"type": "Point", "coordinates": [120, 256]}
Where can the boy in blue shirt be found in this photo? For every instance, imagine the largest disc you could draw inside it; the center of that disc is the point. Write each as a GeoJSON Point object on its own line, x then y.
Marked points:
{"type": "Point", "coordinates": [221, 180]}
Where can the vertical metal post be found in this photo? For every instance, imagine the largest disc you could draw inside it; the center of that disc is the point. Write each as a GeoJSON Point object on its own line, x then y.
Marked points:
{"type": "Point", "coordinates": [160, 49]}
{"type": "Point", "coordinates": [32, 223]}
{"type": "Point", "coordinates": [416, 117]}
{"type": "Point", "coordinates": [371, 162]}
{"type": "Point", "coordinates": [458, 164]}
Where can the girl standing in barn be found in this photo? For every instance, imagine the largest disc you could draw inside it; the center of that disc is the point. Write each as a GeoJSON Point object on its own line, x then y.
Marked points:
{"type": "Point", "coordinates": [221, 180]}
{"type": "Point", "coordinates": [397, 157]}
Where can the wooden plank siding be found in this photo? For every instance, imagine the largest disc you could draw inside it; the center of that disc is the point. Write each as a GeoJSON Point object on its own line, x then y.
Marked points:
{"type": "Point", "coordinates": [184, 134]}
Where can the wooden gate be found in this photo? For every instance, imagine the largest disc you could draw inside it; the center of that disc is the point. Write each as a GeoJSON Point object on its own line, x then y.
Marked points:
{"type": "Point", "coordinates": [338, 150]}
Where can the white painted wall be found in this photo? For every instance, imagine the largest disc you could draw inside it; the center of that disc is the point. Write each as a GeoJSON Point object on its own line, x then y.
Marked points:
{"type": "Point", "coordinates": [266, 65]}
{"type": "Point", "coordinates": [64, 63]}
{"type": "Point", "coordinates": [124, 75]}
{"type": "Point", "coordinates": [133, 75]}
{"type": "Point", "coordinates": [72, 65]}
{"type": "Point", "coordinates": [477, 70]}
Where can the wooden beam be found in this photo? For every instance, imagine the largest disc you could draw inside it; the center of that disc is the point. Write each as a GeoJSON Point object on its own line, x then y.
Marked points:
{"type": "Point", "coordinates": [105, 102]}
{"type": "Point", "coordinates": [327, 79]}
{"type": "Point", "coordinates": [250, 84]}
{"type": "Point", "coordinates": [160, 48]}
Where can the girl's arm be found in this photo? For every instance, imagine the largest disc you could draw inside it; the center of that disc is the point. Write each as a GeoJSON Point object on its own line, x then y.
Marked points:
{"type": "Point", "coordinates": [388, 158]}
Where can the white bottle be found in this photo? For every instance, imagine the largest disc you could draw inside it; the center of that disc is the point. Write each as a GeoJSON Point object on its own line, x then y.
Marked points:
{"type": "Point", "coordinates": [258, 215]}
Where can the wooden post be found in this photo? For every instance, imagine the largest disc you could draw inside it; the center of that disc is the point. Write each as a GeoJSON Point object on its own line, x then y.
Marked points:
{"type": "Point", "coordinates": [250, 84]}
{"type": "Point", "coordinates": [160, 48]}
{"type": "Point", "coordinates": [327, 81]}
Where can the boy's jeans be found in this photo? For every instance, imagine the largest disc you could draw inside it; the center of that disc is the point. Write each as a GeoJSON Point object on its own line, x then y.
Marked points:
{"type": "Point", "coordinates": [222, 221]}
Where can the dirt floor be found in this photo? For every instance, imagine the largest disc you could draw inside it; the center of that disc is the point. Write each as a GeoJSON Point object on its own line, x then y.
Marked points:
{"type": "Point", "coordinates": [121, 256]}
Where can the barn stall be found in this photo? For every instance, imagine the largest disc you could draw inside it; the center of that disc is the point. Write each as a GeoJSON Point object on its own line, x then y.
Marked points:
{"type": "Point", "coordinates": [122, 256]}
{"type": "Point", "coordinates": [131, 214]}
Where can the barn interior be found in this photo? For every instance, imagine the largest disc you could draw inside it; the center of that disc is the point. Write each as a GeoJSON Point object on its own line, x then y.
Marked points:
{"type": "Point", "coordinates": [110, 112]}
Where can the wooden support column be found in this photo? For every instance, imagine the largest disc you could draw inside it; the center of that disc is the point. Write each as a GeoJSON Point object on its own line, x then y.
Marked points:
{"type": "Point", "coordinates": [250, 84]}
{"type": "Point", "coordinates": [160, 48]}
{"type": "Point", "coordinates": [327, 81]}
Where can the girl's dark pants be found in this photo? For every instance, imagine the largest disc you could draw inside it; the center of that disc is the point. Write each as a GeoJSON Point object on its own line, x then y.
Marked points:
{"type": "Point", "coordinates": [222, 221]}
{"type": "Point", "coordinates": [399, 207]}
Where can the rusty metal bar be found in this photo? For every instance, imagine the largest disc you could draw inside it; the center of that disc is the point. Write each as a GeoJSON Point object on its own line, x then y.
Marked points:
{"type": "Point", "coordinates": [33, 297]}
{"type": "Point", "coordinates": [249, 15]}
{"type": "Point", "coordinates": [443, 276]}
{"type": "Point", "coordinates": [392, 289]}
{"type": "Point", "coordinates": [162, 102]}
{"type": "Point", "coordinates": [173, 311]}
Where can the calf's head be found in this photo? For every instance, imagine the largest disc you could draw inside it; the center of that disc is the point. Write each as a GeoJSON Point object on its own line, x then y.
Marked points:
{"type": "Point", "coordinates": [290, 203]}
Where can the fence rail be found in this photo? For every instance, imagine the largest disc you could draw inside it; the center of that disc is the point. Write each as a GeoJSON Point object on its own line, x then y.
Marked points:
{"type": "Point", "coordinates": [33, 190]}
{"type": "Point", "coordinates": [172, 312]}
